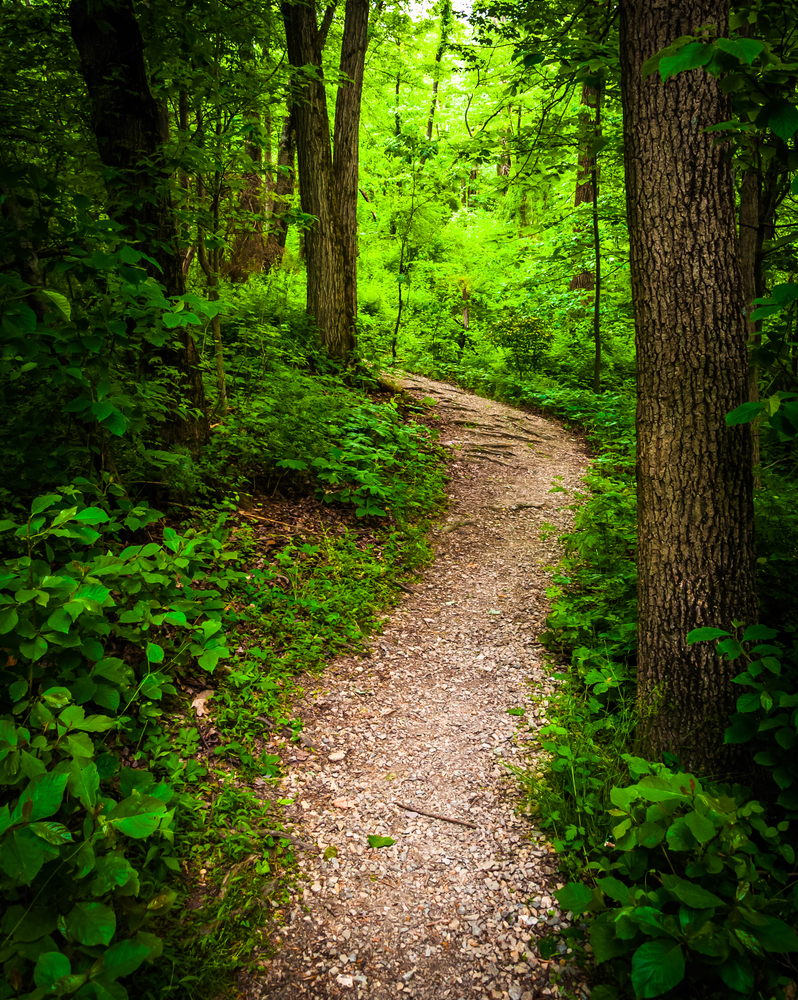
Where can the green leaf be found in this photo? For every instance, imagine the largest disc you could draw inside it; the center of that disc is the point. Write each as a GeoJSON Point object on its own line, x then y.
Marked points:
{"type": "Point", "coordinates": [115, 422]}
{"type": "Point", "coordinates": [616, 890]}
{"type": "Point", "coordinates": [50, 967]}
{"type": "Point", "coordinates": [8, 620]}
{"type": "Point", "coordinates": [43, 502]}
{"type": "Point", "coordinates": [45, 794]}
{"type": "Point", "coordinates": [741, 729]}
{"type": "Point", "coordinates": [92, 515]}
{"type": "Point", "coordinates": [745, 50]}
{"type": "Point", "coordinates": [690, 57]}
{"type": "Point", "coordinates": [776, 935]}
{"type": "Point", "coordinates": [738, 974]}
{"type": "Point", "coordinates": [782, 118]}
{"type": "Point", "coordinates": [23, 854]}
{"type": "Point", "coordinates": [54, 833]}
{"type": "Point", "coordinates": [691, 894]}
{"type": "Point", "coordinates": [60, 621]}
{"type": "Point", "coordinates": [377, 841]}
{"type": "Point", "coordinates": [155, 653]}
{"type": "Point", "coordinates": [657, 966]}
{"type": "Point", "coordinates": [575, 896]}
{"type": "Point", "coordinates": [138, 815]}
{"type": "Point", "coordinates": [603, 939]}
{"type": "Point", "coordinates": [704, 634]}
{"type": "Point", "coordinates": [759, 633]}
{"type": "Point", "coordinates": [702, 829]}
{"type": "Point", "coordinates": [91, 923]}
{"type": "Point", "coordinates": [126, 956]}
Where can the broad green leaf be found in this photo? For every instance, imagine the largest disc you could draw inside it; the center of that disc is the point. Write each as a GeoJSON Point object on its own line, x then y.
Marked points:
{"type": "Point", "coordinates": [744, 413]}
{"type": "Point", "coordinates": [377, 841]}
{"type": "Point", "coordinates": [43, 502]}
{"type": "Point", "coordinates": [22, 855]}
{"type": "Point", "coordinates": [91, 923]}
{"type": "Point", "coordinates": [45, 794]}
{"type": "Point", "coordinates": [126, 956]}
{"type": "Point", "coordinates": [35, 649]}
{"type": "Point", "coordinates": [743, 49]}
{"type": "Point", "coordinates": [575, 896]}
{"type": "Point", "coordinates": [605, 942]}
{"type": "Point", "coordinates": [690, 57]}
{"type": "Point", "coordinates": [741, 729]}
{"type": "Point", "coordinates": [54, 833]}
{"type": "Point", "coordinates": [113, 872]}
{"type": "Point", "coordinates": [702, 829]}
{"type": "Point", "coordinates": [759, 633]}
{"type": "Point", "coordinates": [657, 966]}
{"type": "Point", "coordinates": [92, 515]}
{"type": "Point", "coordinates": [776, 935]}
{"type": "Point", "coordinates": [691, 894]}
{"type": "Point", "coordinates": [115, 422]}
{"type": "Point", "coordinates": [155, 653]}
{"type": "Point", "coordinates": [8, 620]}
{"type": "Point", "coordinates": [60, 621]}
{"type": "Point", "coordinates": [616, 890]}
{"type": "Point", "coordinates": [782, 118]}
{"type": "Point", "coordinates": [50, 967]}
{"type": "Point", "coordinates": [61, 302]}
{"type": "Point", "coordinates": [57, 697]}
{"type": "Point", "coordinates": [704, 634]}
{"type": "Point", "coordinates": [84, 783]}
{"type": "Point", "coordinates": [738, 974]}
{"type": "Point", "coordinates": [138, 815]}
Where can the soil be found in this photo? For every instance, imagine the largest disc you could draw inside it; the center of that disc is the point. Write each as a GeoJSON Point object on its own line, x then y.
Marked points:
{"type": "Point", "coordinates": [414, 743]}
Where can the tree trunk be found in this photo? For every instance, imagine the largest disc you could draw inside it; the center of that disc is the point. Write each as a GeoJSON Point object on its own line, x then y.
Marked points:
{"type": "Point", "coordinates": [324, 240]}
{"type": "Point", "coordinates": [597, 263]}
{"type": "Point", "coordinates": [283, 192]}
{"type": "Point", "coordinates": [695, 534]}
{"type": "Point", "coordinates": [128, 125]}
{"type": "Point", "coordinates": [750, 263]}
{"type": "Point", "coordinates": [346, 142]}
{"type": "Point", "coordinates": [589, 128]}
{"type": "Point", "coordinates": [446, 17]}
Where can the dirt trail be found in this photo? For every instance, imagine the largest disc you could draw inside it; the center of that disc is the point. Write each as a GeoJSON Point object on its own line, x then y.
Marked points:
{"type": "Point", "coordinates": [421, 728]}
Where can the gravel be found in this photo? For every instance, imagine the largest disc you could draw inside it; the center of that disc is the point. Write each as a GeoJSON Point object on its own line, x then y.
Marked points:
{"type": "Point", "coordinates": [420, 729]}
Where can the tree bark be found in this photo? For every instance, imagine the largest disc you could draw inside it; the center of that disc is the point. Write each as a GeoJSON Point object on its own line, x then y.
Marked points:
{"type": "Point", "coordinates": [446, 18]}
{"type": "Point", "coordinates": [695, 510]}
{"type": "Point", "coordinates": [346, 142]}
{"type": "Point", "coordinates": [324, 239]}
{"type": "Point", "coordinates": [129, 128]}
{"type": "Point", "coordinates": [283, 192]}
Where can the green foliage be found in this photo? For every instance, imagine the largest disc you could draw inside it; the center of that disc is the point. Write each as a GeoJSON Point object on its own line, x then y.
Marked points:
{"type": "Point", "coordinates": [701, 893]}
{"type": "Point", "coordinates": [767, 714]}
{"type": "Point", "coordinates": [78, 889]}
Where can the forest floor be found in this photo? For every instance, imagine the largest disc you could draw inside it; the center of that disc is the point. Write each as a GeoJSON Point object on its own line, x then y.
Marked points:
{"type": "Point", "coordinates": [413, 742]}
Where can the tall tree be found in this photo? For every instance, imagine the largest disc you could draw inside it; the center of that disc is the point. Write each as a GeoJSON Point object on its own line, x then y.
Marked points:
{"type": "Point", "coordinates": [328, 180]}
{"type": "Point", "coordinates": [129, 128]}
{"type": "Point", "coordinates": [695, 535]}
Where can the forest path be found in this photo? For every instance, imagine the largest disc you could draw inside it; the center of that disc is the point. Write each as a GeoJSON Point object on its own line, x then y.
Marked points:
{"type": "Point", "coordinates": [450, 910]}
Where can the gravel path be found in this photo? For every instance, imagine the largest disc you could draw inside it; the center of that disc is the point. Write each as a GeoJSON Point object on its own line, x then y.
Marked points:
{"type": "Point", "coordinates": [421, 730]}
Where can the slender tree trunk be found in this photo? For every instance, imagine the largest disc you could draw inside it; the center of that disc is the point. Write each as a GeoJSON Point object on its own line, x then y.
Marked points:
{"type": "Point", "coordinates": [128, 125]}
{"type": "Point", "coordinates": [597, 265]}
{"type": "Point", "coordinates": [589, 127]}
{"type": "Point", "coordinates": [446, 18]}
{"type": "Point", "coordinates": [324, 240]}
{"type": "Point", "coordinates": [346, 142]}
{"type": "Point", "coordinates": [695, 510]}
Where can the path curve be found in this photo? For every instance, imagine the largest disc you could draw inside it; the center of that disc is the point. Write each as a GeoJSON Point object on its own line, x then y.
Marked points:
{"type": "Point", "coordinates": [450, 910]}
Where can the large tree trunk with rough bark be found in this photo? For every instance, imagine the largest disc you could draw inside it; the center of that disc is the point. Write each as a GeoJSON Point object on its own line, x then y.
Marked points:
{"type": "Point", "coordinates": [695, 536]}
{"type": "Point", "coordinates": [283, 192]}
{"type": "Point", "coordinates": [129, 128]}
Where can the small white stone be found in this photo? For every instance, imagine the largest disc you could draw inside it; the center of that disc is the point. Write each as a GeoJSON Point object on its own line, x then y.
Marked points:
{"type": "Point", "coordinates": [338, 755]}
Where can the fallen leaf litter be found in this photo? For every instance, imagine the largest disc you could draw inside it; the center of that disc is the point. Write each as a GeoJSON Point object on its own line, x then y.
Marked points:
{"type": "Point", "coordinates": [454, 908]}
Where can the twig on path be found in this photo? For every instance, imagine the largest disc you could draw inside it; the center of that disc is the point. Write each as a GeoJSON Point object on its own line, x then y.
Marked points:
{"type": "Point", "coordinates": [446, 819]}
{"type": "Point", "coordinates": [298, 529]}
{"type": "Point", "coordinates": [401, 586]}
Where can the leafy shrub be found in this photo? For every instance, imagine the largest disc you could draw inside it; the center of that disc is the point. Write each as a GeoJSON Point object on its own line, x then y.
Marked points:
{"type": "Point", "coordinates": [701, 894]}
{"type": "Point", "coordinates": [92, 629]}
